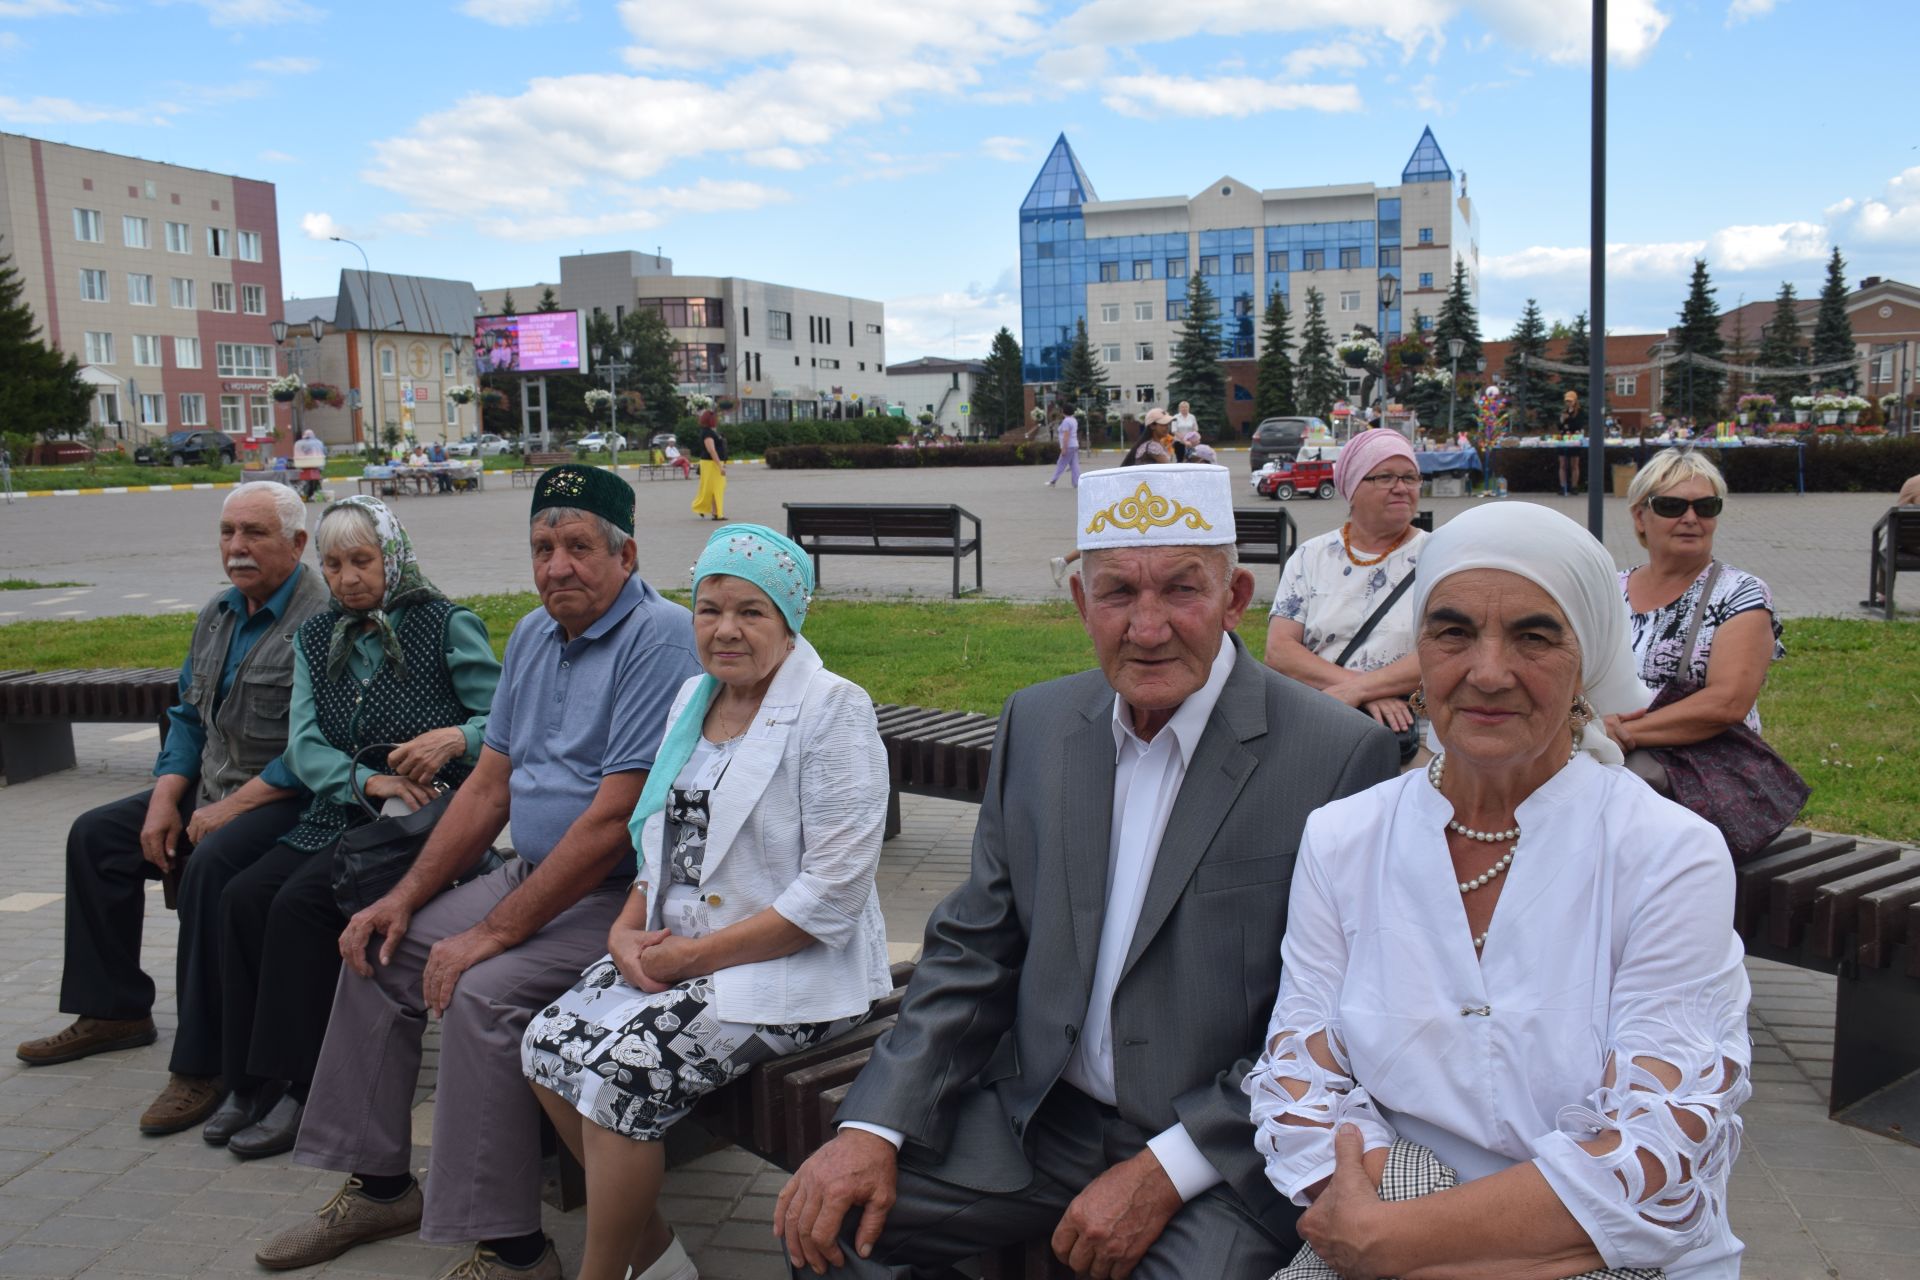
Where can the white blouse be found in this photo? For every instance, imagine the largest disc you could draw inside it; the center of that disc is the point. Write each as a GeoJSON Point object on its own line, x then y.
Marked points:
{"type": "Point", "coordinates": [1612, 943]}
{"type": "Point", "coordinates": [1330, 596]}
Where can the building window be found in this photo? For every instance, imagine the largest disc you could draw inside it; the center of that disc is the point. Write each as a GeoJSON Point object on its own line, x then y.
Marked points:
{"type": "Point", "coordinates": [253, 299]}
{"type": "Point", "coordinates": [86, 225]}
{"type": "Point", "coordinates": [99, 347]}
{"type": "Point", "coordinates": [1313, 259]}
{"type": "Point", "coordinates": [250, 246]}
{"type": "Point", "coordinates": [219, 242]}
{"type": "Point", "coordinates": [1426, 324]}
{"type": "Point", "coordinates": [139, 289]}
{"type": "Point", "coordinates": [780, 325]}
{"type": "Point", "coordinates": [193, 409]}
{"type": "Point", "coordinates": [179, 238]}
{"type": "Point", "coordinates": [222, 295]}
{"type": "Point", "coordinates": [230, 419]}
{"type": "Point", "coordinates": [1109, 272]}
{"type": "Point", "coordinates": [1349, 259]}
{"type": "Point", "coordinates": [1143, 351]}
{"type": "Point", "coordinates": [1109, 313]}
{"type": "Point", "coordinates": [1142, 270]}
{"type": "Point", "coordinates": [1350, 300]}
{"type": "Point", "coordinates": [1426, 279]}
{"type": "Point", "coordinates": [93, 285]}
{"type": "Point", "coordinates": [826, 363]}
{"type": "Point", "coordinates": [873, 328]}
{"type": "Point", "coordinates": [1426, 235]}
{"type": "Point", "coordinates": [1881, 367]}
{"type": "Point", "coordinates": [260, 409]}
{"type": "Point", "coordinates": [1110, 353]}
{"type": "Point", "coordinates": [1627, 385]}
{"type": "Point", "coordinates": [1176, 309]}
{"type": "Point", "coordinates": [446, 364]}
{"type": "Point", "coordinates": [243, 360]}
{"type": "Point", "coordinates": [1243, 304]}
{"type": "Point", "coordinates": [1176, 268]}
{"type": "Point", "coordinates": [1276, 261]}
{"type": "Point", "coordinates": [153, 410]}
{"type": "Point", "coordinates": [1143, 394]}
{"type": "Point", "coordinates": [1143, 311]}
{"type": "Point", "coordinates": [180, 292]}
{"type": "Point", "coordinates": [386, 362]}
{"type": "Point", "coordinates": [1209, 266]}
{"type": "Point", "coordinates": [106, 408]}
{"type": "Point", "coordinates": [133, 232]}
{"type": "Point", "coordinates": [1243, 264]}
{"type": "Point", "coordinates": [1110, 394]}
{"type": "Point", "coordinates": [1389, 255]}
{"type": "Point", "coordinates": [146, 349]}
{"type": "Point", "coordinates": [186, 353]}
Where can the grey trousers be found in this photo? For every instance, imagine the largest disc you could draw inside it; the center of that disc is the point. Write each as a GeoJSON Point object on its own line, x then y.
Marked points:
{"type": "Point", "coordinates": [484, 1181]}
{"type": "Point", "coordinates": [1073, 1139]}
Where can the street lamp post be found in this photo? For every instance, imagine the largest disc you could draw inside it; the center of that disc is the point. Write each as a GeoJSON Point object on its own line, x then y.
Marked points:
{"type": "Point", "coordinates": [366, 288]}
{"type": "Point", "coordinates": [297, 358]}
{"type": "Point", "coordinates": [613, 369]}
{"type": "Point", "coordinates": [1454, 347]}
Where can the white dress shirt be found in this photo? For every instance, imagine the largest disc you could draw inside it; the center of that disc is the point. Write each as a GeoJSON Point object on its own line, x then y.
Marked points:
{"type": "Point", "coordinates": [1146, 781]}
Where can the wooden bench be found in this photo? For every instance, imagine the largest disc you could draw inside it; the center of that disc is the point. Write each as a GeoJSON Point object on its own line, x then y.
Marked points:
{"type": "Point", "coordinates": [1850, 908]}
{"type": "Point", "coordinates": [1895, 550]}
{"type": "Point", "coordinates": [38, 710]}
{"type": "Point", "coordinates": [887, 529]}
{"type": "Point", "coordinates": [1265, 535]}
{"type": "Point", "coordinates": [534, 463]}
{"type": "Point", "coordinates": [943, 754]}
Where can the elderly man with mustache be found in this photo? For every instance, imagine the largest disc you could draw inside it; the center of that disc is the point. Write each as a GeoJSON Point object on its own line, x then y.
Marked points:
{"type": "Point", "coordinates": [221, 791]}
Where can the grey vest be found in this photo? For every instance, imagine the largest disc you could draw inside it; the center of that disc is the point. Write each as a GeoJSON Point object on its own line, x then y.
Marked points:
{"type": "Point", "coordinates": [249, 728]}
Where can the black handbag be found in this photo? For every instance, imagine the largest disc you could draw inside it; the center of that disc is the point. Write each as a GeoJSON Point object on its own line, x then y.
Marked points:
{"type": "Point", "coordinates": [370, 859]}
{"type": "Point", "coordinates": [1409, 737]}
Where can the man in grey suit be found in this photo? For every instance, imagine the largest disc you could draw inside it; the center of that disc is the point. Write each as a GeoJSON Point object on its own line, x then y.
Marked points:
{"type": "Point", "coordinates": [1068, 1060]}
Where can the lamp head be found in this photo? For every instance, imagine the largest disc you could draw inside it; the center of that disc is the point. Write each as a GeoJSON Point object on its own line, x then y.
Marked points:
{"type": "Point", "coordinates": [1454, 347]}
{"type": "Point", "coordinates": [317, 327]}
{"type": "Point", "coordinates": [279, 330]}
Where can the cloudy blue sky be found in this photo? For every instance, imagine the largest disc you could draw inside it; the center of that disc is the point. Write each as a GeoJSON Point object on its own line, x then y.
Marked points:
{"type": "Point", "coordinates": [881, 147]}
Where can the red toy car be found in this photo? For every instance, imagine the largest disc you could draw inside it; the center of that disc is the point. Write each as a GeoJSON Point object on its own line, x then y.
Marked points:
{"type": "Point", "coordinates": [1285, 480]}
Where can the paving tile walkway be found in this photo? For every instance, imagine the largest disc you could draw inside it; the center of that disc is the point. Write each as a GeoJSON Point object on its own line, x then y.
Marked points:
{"type": "Point", "coordinates": [83, 1194]}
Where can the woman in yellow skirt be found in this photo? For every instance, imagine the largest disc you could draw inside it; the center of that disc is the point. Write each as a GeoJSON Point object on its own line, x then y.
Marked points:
{"type": "Point", "coordinates": [711, 500]}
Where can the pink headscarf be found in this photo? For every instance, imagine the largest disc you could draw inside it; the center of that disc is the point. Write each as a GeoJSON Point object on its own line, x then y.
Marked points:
{"type": "Point", "coordinates": [1363, 454]}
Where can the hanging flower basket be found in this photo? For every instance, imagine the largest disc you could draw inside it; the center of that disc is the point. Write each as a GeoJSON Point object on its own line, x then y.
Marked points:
{"type": "Point", "coordinates": [323, 393]}
{"type": "Point", "coordinates": [284, 389]}
{"type": "Point", "coordinates": [492, 398]}
{"type": "Point", "coordinates": [598, 399]}
{"type": "Point", "coordinates": [463, 393]}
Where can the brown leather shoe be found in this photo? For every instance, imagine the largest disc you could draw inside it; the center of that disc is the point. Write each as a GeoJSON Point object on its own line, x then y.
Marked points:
{"type": "Point", "coordinates": [484, 1264]}
{"type": "Point", "coordinates": [184, 1103]}
{"type": "Point", "coordinates": [352, 1217]}
{"type": "Point", "coordinates": [87, 1036]}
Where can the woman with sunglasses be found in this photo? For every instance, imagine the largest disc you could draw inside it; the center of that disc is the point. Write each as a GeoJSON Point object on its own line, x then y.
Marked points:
{"type": "Point", "coordinates": [1676, 500]}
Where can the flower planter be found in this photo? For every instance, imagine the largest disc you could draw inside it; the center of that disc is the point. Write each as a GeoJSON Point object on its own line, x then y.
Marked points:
{"type": "Point", "coordinates": [285, 396]}
{"type": "Point", "coordinates": [1800, 415]}
{"type": "Point", "coordinates": [1829, 417]}
{"type": "Point", "coordinates": [1850, 416]}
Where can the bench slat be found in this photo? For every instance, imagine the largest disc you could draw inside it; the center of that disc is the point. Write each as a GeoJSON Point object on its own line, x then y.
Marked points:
{"type": "Point", "coordinates": [1883, 923]}
{"type": "Point", "coordinates": [1791, 898]}
{"type": "Point", "coordinates": [1835, 904]}
{"type": "Point", "coordinates": [1751, 893]}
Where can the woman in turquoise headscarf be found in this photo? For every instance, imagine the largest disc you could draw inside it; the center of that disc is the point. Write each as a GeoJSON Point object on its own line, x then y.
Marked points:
{"type": "Point", "coordinates": [753, 929]}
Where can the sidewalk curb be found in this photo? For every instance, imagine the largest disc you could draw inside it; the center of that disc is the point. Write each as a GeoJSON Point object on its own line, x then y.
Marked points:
{"type": "Point", "coordinates": [229, 484]}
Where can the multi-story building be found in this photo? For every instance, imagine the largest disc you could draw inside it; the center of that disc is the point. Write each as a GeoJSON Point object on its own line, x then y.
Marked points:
{"type": "Point", "coordinates": [1375, 254]}
{"type": "Point", "coordinates": [1631, 397]}
{"type": "Point", "coordinates": [162, 280]}
{"type": "Point", "coordinates": [943, 388]}
{"type": "Point", "coordinates": [780, 352]}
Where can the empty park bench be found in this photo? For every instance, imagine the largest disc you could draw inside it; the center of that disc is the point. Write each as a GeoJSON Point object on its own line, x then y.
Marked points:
{"type": "Point", "coordinates": [1895, 550]}
{"type": "Point", "coordinates": [887, 529]}
{"type": "Point", "coordinates": [1851, 908]}
{"type": "Point", "coordinates": [1268, 535]}
{"type": "Point", "coordinates": [534, 463]}
{"type": "Point", "coordinates": [38, 710]}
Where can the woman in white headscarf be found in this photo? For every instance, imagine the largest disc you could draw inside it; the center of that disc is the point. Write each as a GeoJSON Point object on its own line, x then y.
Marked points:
{"type": "Point", "coordinates": [1515, 970]}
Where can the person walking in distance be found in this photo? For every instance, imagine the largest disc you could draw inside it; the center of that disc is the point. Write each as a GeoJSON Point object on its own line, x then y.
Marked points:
{"type": "Point", "coordinates": [1067, 432]}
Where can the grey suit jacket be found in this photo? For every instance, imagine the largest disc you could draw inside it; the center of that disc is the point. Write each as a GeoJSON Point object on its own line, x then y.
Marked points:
{"type": "Point", "coordinates": [993, 1011]}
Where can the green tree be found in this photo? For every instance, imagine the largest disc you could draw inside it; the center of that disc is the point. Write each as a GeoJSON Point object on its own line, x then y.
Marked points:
{"type": "Point", "coordinates": [1081, 374]}
{"type": "Point", "coordinates": [1693, 390]}
{"type": "Point", "coordinates": [548, 300]}
{"type": "Point", "coordinates": [999, 398]}
{"type": "Point", "coordinates": [1317, 371]}
{"type": "Point", "coordinates": [506, 305]}
{"type": "Point", "coordinates": [1531, 391]}
{"type": "Point", "coordinates": [1273, 383]}
{"type": "Point", "coordinates": [1458, 319]}
{"type": "Point", "coordinates": [1782, 347]}
{"type": "Point", "coordinates": [1577, 352]}
{"type": "Point", "coordinates": [652, 370]}
{"type": "Point", "coordinates": [1832, 331]}
{"type": "Point", "coordinates": [1197, 375]}
{"type": "Point", "coordinates": [40, 388]}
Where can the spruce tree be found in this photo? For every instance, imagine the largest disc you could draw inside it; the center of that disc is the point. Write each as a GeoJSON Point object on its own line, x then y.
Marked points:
{"type": "Point", "coordinates": [1458, 319]}
{"type": "Point", "coordinates": [40, 388]}
{"type": "Point", "coordinates": [1781, 348]}
{"type": "Point", "coordinates": [548, 300]}
{"type": "Point", "coordinates": [1197, 375]}
{"type": "Point", "coordinates": [1578, 353]}
{"type": "Point", "coordinates": [1273, 384]}
{"type": "Point", "coordinates": [652, 370]}
{"type": "Point", "coordinates": [1832, 331]}
{"type": "Point", "coordinates": [1081, 373]}
{"type": "Point", "coordinates": [1693, 390]}
{"type": "Point", "coordinates": [999, 398]}
{"type": "Point", "coordinates": [506, 305]}
{"type": "Point", "coordinates": [1318, 373]}
{"type": "Point", "coordinates": [1530, 393]}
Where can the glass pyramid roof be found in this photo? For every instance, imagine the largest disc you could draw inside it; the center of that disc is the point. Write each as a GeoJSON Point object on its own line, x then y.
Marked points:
{"type": "Point", "coordinates": [1062, 185]}
{"type": "Point", "coordinates": [1427, 163]}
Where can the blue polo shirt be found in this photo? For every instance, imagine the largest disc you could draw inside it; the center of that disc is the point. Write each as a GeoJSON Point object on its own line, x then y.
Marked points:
{"type": "Point", "coordinates": [568, 713]}
{"type": "Point", "coordinates": [186, 736]}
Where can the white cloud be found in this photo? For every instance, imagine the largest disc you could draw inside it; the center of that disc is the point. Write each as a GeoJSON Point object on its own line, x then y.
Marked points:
{"type": "Point", "coordinates": [1893, 217]}
{"type": "Point", "coordinates": [721, 32]}
{"type": "Point", "coordinates": [40, 8]}
{"type": "Point", "coordinates": [258, 13]}
{"type": "Point", "coordinates": [67, 111]}
{"type": "Point", "coordinates": [1339, 55]}
{"type": "Point", "coordinates": [1238, 96]}
{"type": "Point", "coordinates": [1009, 149]}
{"type": "Point", "coordinates": [953, 323]}
{"type": "Point", "coordinates": [1562, 30]}
{"type": "Point", "coordinates": [788, 158]}
{"type": "Point", "coordinates": [10, 42]}
{"type": "Point", "coordinates": [1733, 250]}
{"type": "Point", "coordinates": [641, 209]}
{"type": "Point", "coordinates": [1741, 10]}
{"type": "Point", "coordinates": [287, 66]}
{"type": "Point", "coordinates": [321, 226]}
{"type": "Point", "coordinates": [516, 13]}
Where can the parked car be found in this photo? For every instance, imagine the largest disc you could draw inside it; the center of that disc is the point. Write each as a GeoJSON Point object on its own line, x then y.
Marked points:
{"type": "Point", "coordinates": [599, 442]}
{"type": "Point", "coordinates": [481, 446]}
{"type": "Point", "coordinates": [661, 439]}
{"type": "Point", "coordinates": [1279, 439]}
{"type": "Point", "coordinates": [183, 447]}
{"type": "Point", "coordinates": [1284, 479]}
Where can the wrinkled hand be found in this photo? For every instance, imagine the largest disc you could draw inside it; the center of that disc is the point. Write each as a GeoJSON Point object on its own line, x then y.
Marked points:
{"type": "Point", "coordinates": [672, 960]}
{"type": "Point", "coordinates": [855, 1168]}
{"type": "Point", "coordinates": [1617, 728]}
{"type": "Point", "coordinates": [1349, 691]}
{"type": "Point", "coordinates": [160, 834]}
{"type": "Point", "coordinates": [1113, 1222]}
{"type": "Point", "coordinates": [209, 818]}
{"type": "Point", "coordinates": [389, 918]}
{"type": "Point", "coordinates": [423, 757]}
{"type": "Point", "coordinates": [452, 957]}
{"type": "Point", "coordinates": [1391, 712]}
{"type": "Point", "coordinates": [626, 946]}
{"type": "Point", "coordinates": [391, 786]}
{"type": "Point", "coordinates": [1343, 1223]}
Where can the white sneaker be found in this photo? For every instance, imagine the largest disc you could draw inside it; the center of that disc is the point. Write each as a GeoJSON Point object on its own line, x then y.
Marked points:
{"type": "Point", "coordinates": [1058, 565]}
{"type": "Point", "coordinates": [674, 1264]}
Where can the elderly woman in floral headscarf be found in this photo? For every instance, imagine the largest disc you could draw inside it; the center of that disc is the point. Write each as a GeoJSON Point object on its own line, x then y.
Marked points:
{"type": "Point", "coordinates": [753, 929]}
{"type": "Point", "coordinates": [393, 661]}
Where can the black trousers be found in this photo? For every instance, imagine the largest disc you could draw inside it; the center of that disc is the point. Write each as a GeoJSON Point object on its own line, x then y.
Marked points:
{"type": "Point", "coordinates": [106, 908]}
{"type": "Point", "coordinates": [280, 959]}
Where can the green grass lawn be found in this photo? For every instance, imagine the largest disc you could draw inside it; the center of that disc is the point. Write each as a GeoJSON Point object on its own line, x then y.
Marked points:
{"type": "Point", "coordinates": [1841, 707]}
{"type": "Point", "coordinates": [28, 584]}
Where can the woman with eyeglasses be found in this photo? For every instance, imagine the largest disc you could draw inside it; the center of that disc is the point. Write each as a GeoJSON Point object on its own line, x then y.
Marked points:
{"type": "Point", "coordinates": [1334, 584]}
{"type": "Point", "coordinates": [1676, 500]}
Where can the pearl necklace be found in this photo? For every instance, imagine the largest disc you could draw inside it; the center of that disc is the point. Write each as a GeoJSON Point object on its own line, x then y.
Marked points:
{"type": "Point", "coordinates": [1436, 770]}
{"type": "Point", "coordinates": [1347, 547]}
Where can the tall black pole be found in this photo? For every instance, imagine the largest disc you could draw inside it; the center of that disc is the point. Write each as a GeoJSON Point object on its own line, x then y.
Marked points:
{"type": "Point", "coordinates": [1597, 286]}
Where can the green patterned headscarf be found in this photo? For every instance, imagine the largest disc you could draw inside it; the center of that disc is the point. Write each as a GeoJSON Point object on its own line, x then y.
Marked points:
{"type": "Point", "coordinates": [405, 585]}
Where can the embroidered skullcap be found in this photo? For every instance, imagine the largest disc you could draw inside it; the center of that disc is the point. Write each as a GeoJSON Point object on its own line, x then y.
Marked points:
{"type": "Point", "coordinates": [1165, 504]}
{"type": "Point", "coordinates": [1363, 454]}
{"type": "Point", "coordinates": [769, 561]}
{"type": "Point", "coordinates": [592, 489]}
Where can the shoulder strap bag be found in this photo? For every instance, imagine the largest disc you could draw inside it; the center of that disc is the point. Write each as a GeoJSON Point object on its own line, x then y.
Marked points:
{"type": "Point", "coordinates": [370, 859]}
{"type": "Point", "coordinates": [1409, 738]}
